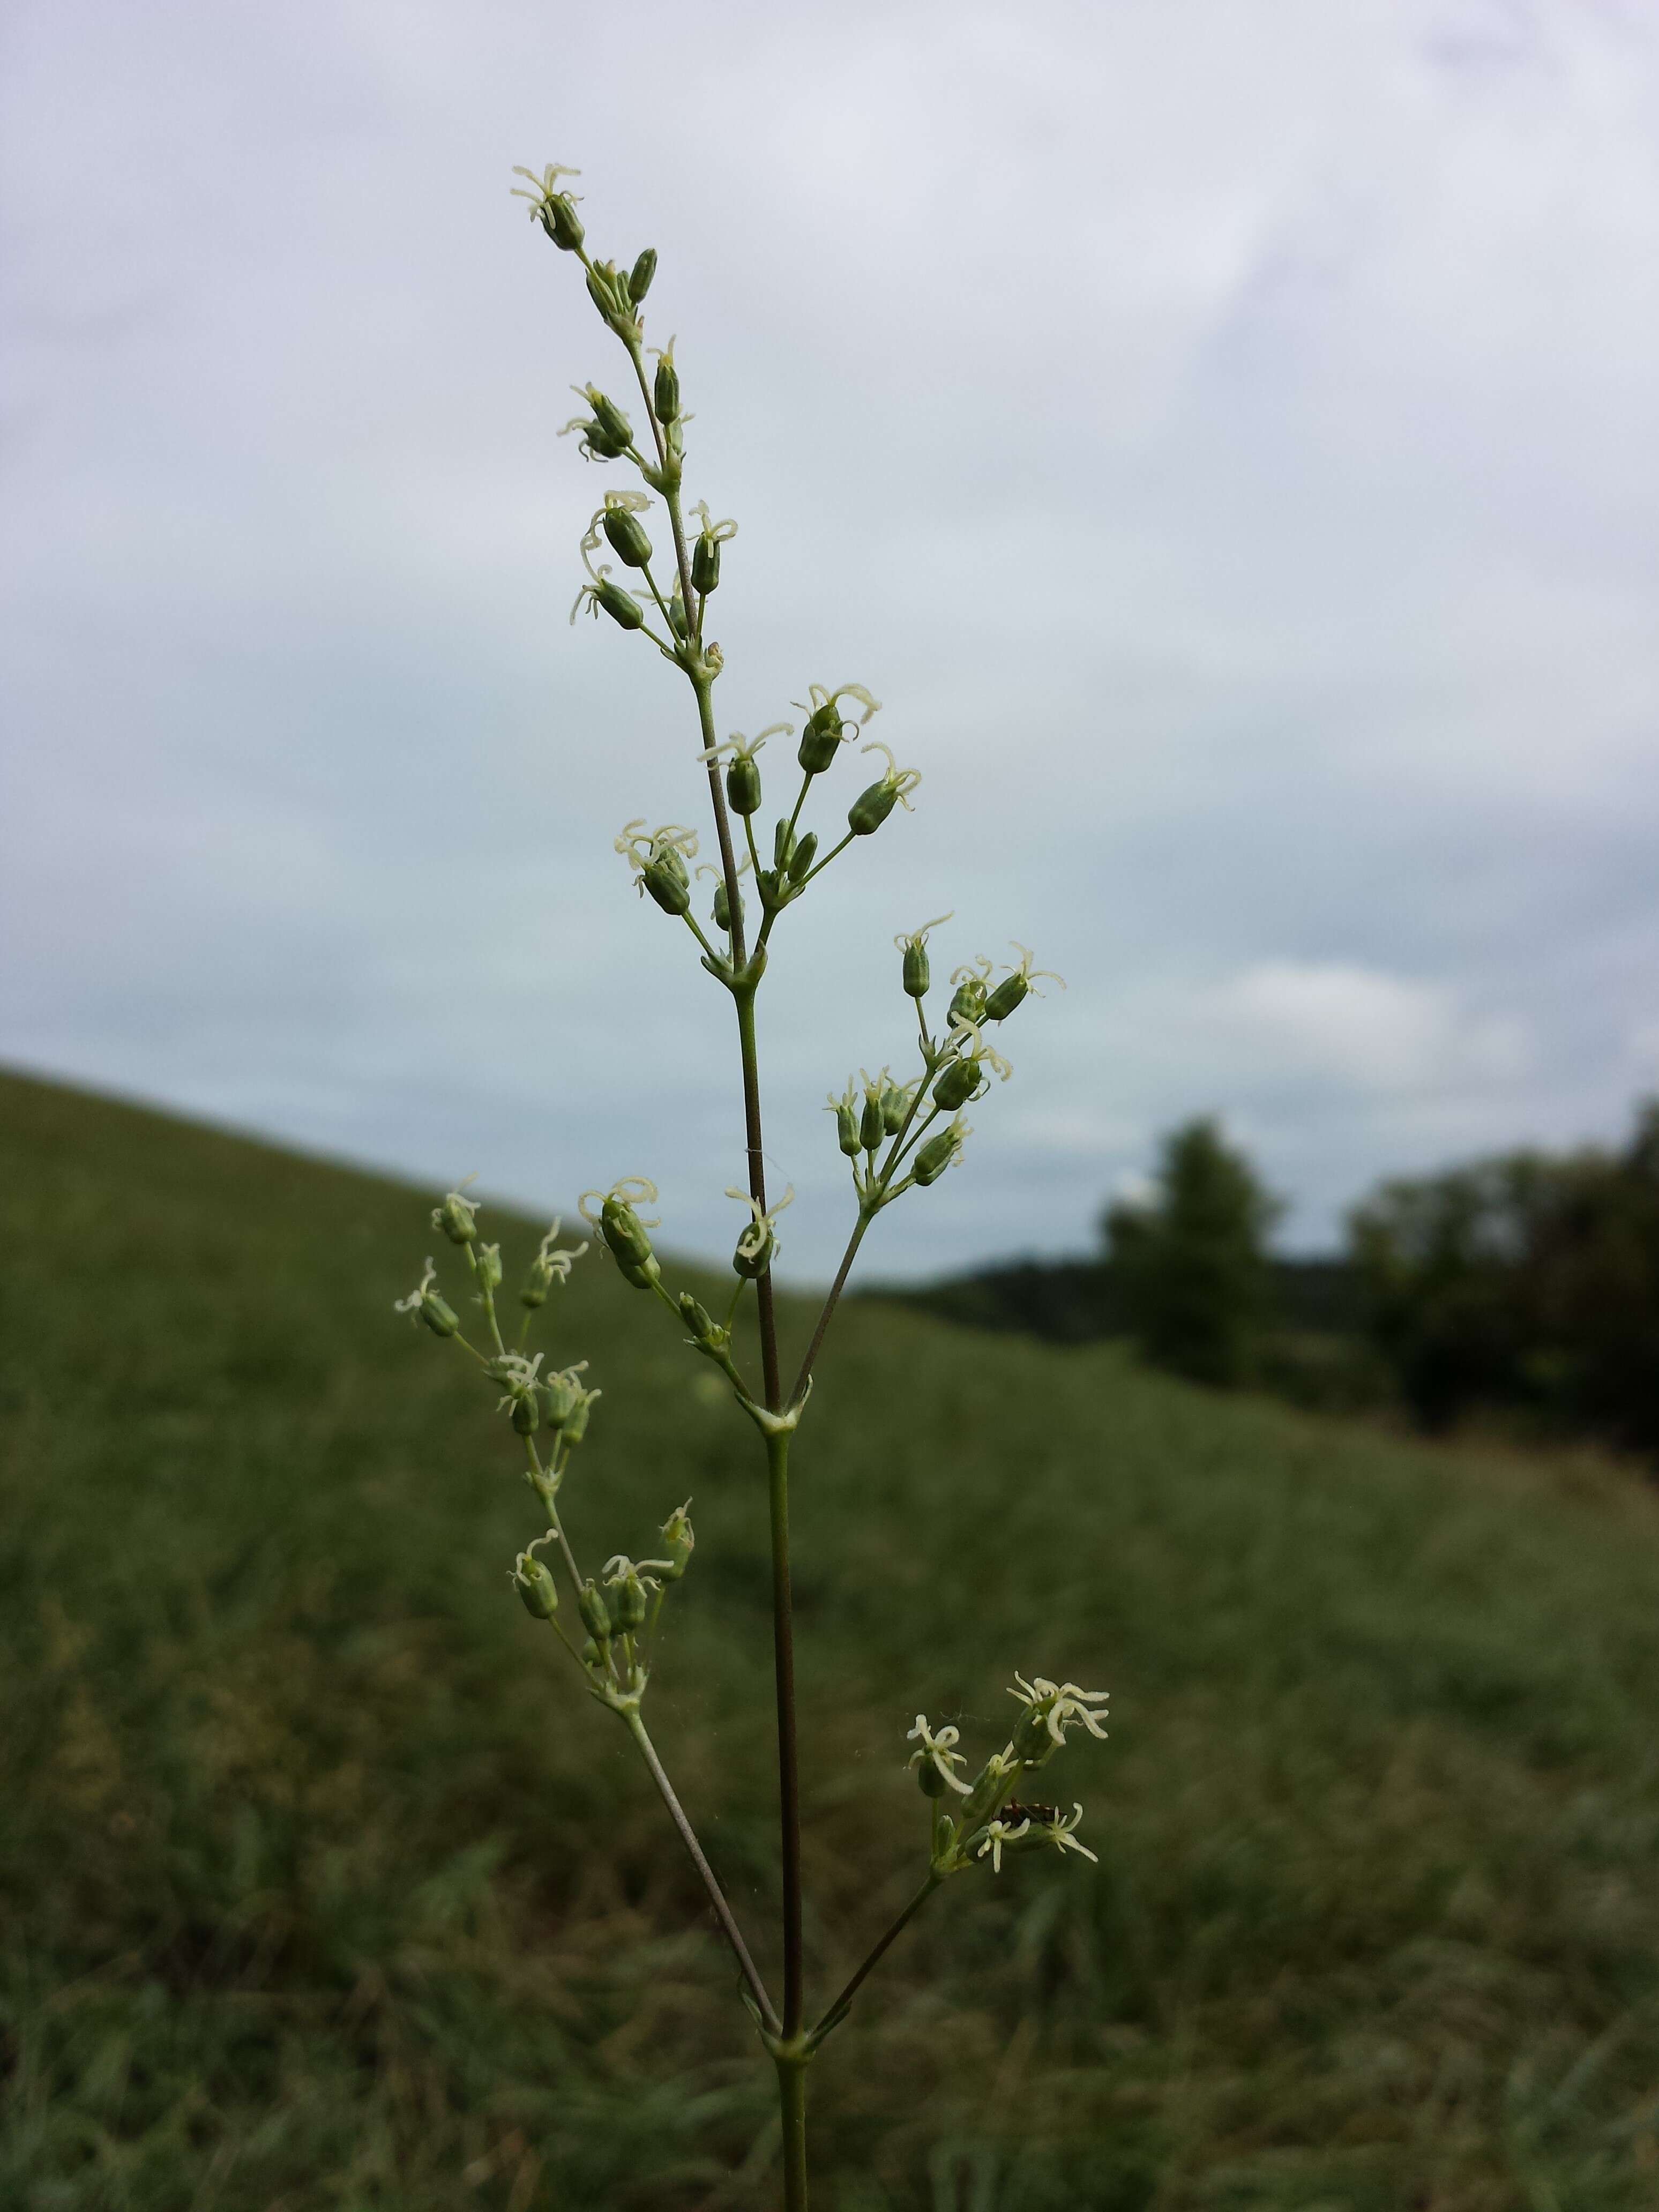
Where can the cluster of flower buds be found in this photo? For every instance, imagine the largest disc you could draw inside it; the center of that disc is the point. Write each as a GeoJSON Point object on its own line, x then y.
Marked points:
{"type": "Point", "coordinates": [618, 1221]}
{"type": "Point", "coordinates": [606, 434]}
{"type": "Point", "coordinates": [989, 1819]}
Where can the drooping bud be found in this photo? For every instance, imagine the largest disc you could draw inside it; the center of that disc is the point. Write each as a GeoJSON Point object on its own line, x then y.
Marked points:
{"type": "Point", "coordinates": [623, 1231]}
{"type": "Point", "coordinates": [626, 534]}
{"type": "Point", "coordinates": [429, 1305]}
{"type": "Point", "coordinates": [937, 1154]}
{"type": "Point", "coordinates": [1007, 995]}
{"type": "Point", "coordinates": [958, 1084]}
{"type": "Point", "coordinates": [623, 609]}
{"type": "Point", "coordinates": [667, 883]}
{"type": "Point", "coordinates": [640, 276]}
{"type": "Point", "coordinates": [536, 1587]}
{"type": "Point", "coordinates": [870, 808]}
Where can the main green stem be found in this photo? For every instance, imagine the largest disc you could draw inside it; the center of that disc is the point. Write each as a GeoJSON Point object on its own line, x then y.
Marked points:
{"type": "Point", "coordinates": [783, 1655]}
{"type": "Point", "coordinates": [792, 2111]}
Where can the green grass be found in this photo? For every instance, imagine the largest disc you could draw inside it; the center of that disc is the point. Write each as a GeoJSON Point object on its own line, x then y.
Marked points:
{"type": "Point", "coordinates": [324, 1886]}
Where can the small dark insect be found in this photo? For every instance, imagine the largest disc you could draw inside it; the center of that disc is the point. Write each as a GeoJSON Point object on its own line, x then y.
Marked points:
{"type": "Point", "coordinates": [1040, 1816]}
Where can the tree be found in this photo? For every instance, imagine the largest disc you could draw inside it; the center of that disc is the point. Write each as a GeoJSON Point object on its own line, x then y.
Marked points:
{"type": "Point", "coordinates": [1529, 1281]}
{"type": "Point", "coordinates": [1190, 1264]}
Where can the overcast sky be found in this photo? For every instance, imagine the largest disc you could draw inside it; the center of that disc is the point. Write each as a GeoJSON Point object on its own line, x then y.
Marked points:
{"type": "Point", "coordinates": [1225, 436]}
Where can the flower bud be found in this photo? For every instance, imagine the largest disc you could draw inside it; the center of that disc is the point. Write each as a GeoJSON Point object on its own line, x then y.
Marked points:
{"type": "Point", "coordinates": [847, 1128]}
{"type": "Point", "coordinates": [969, 1004]}
{"type": "Point", "coordinates": [743, 784]}
{"type": "Point", "coordinates": [677, 621]}
{"type": "Point", "coordinates": [560, 220]}
{"type": "Point", "coordinates": [560, 1394]}
{"type": "Point", "coordinates": [623, 1231]}
{"type": "Point", "coordinates": [679, 1542]}
{"type": "Point", "coordinates": [1009, 993]}
{"type": "Point", "coordinates": [486, 1263]}
{"type": "Point", "coordinates": [642, 1277]}
{"type": "Point", "coordinates": [871, 808]}
{"type": "Point", "coordinates": [706, 563]}
{"type": "Point", "coordinates": [457, 1218]}
{"type": "Point", "coordinates": [935, 1155]}
{"type": "Point", "coordinates": [929, 1779]}
{"type": "Point", "coordinates": [591, 1655]}
{"type": "Point", "coordinates": [627, 1604]}
{"type": "Point", "coordinates": [801, 859]}
{"type": "Point", "coordinates": [666, 883]}
{"type": "Point", "coordinates": [576, 1427]}
{"type": "Point", "coordinates": [696, 1317]}
{"type": "Point", "coordinates": [596, 1619]}
{"type": "Point", "coordinates": [820, 740]}
{"type": "Point", "coordinates": [918, 976]}
{"type": "Point", "coordinates": [438, 1314]}
{"type": "Point", "coordinates": [753, 1263]}
{"type": "Point", "coordinates": [627, 535]}
{"type": "Point", "coordinates": [872, 1126]}
{"type": "Point", "coordinates": [536, 1587]}
{"type": "Point", "coordinates": [895, 1105]}
{"type": "Point", "coordinates": [667, 391]}
{"type": "Point", "coordinates": [958, 1084]}
{"type": "Point", "coordinates": [640, 276]}
{"type": "Point", "coordinates": [611, 426]}
{"type": "Point", "coordinates": [723, 908]}
{"type": "Point", "coordinates": [783, 847]}
{"type": "Point", "coordinates": [527, 1412]}
{"type": "Point", "coordinates": [622, 607]}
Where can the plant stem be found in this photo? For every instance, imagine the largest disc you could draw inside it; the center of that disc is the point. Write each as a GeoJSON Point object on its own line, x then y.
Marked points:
{"type": "Point", "coordinates": [716, 1895]}
{"type": "Point", "coordinates": [792, 2111]}
{"type": "Point", "coordinates": [893, 1933]}
{"type": "Point", "coordinates": [783, 1653]}
{"type": "Point", "coordinates": [765, 1311]}
{"type": "Point", "coordinates": [833, 1300]}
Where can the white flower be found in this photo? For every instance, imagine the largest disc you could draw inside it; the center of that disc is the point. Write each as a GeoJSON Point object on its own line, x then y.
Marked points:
{"type": "Point", "coordinates": [518, 1373]}
{"type": "Point", "coordinates": [999, 1832]}
{"type": "Point", "coordinates": [900, 782]}
{"type": "Point", "coordinates": [1060, 1832]}
{"type": "Point", "coordinates": [551, 1260]}
{"type": "Point", "coordinates": [937, 1748]}
{"type": "Point", "coordinates": [752, 1240]}
{"type": "Point", "coordinates": [1059, 1703]}
{"type": "Point", "coordinates": [907, 937]}
{"type": "Point", "coordinates": [630, 1191]}
{"type": "Point", "coordinates": [1026, 973]}
{"type": "Point", "coordinates": [412, 1303]}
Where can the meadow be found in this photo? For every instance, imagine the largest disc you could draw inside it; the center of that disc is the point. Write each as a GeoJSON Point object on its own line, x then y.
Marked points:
{"type": "Point", "coordinates": [325, 1888]}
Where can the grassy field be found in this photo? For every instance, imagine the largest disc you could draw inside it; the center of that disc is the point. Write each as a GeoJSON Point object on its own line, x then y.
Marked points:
{"type": "Point", "coordinates": [323, 1887]}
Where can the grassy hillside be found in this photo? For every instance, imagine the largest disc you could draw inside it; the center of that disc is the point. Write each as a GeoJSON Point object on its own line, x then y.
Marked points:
{"type": "Point", "coordinates": [323, 1886]}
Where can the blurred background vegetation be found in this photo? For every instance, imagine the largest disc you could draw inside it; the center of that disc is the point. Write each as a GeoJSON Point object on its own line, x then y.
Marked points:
{"type": "Point", "coordinates": [323, 1886]}
{"type": "Point", "coordinates": [1520, 1292]}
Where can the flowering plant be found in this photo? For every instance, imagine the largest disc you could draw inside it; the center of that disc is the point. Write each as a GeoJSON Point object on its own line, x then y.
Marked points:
{"type": "Point", "coordinates": [897, 1135]}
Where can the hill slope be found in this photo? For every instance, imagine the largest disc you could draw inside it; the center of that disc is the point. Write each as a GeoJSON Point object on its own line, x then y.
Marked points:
{"type": "Point", "coordinates": [324, 1886]}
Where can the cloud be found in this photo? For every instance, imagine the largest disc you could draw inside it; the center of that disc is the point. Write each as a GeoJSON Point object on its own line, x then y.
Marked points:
{"type": "Point", "coordinates": [1381, 1033]}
